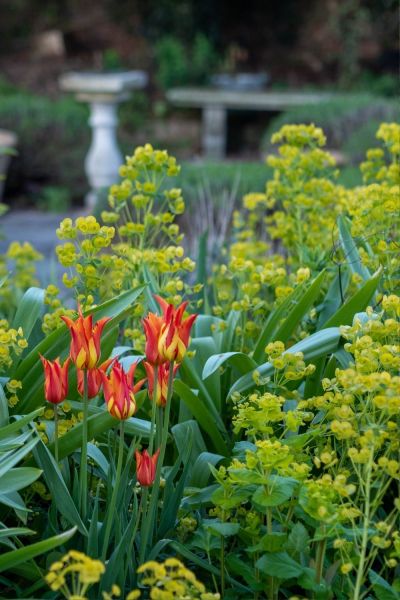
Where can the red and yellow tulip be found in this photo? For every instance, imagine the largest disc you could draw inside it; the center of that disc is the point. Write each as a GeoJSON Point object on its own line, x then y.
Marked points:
{"type": "Point", "coordinates": [55, 380]}
{"type": "Point", "coordinates": [85, 342]}
{"type": "Point", "coordinates": [162, 381]}
{"type": "Point", "coordinates": [167, 336]}
{"type": "Point", "coordinates": [94, 379]}
{"type": "Point", "coordinates": [119, 391]}
{"type": "Point", "coordinates": [146, 467]}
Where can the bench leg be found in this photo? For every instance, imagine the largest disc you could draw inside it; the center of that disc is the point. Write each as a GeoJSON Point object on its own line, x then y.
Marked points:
{"type": "Point", "coordinates": [214, 132]}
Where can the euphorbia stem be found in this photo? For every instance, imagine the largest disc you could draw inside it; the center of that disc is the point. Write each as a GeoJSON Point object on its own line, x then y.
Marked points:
{"type": "Point", "coordinates": [83, 480]}
{"type": "Point", "coordinates": [151, 514]}
{"type": "Point", "coordinates": [365, 528]}
{"type": "Point", "coordinates": [320, 555]}
{"type": "Point", "coordinates": [111, 509]}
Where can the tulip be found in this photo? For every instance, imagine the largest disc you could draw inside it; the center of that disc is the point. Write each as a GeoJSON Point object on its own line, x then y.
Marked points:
{"type": "Point", "coordinates": [85, 342]}
{"type": "Point", "coordinates": [161, 384]}
{"type": "Point", "coordinates": [167, 336]}
{"type": "Point", "coordinates": [56, 380]}
{"type": "Point", "coordinates": [94, 379]}
{"type": "Point", "coordinates": [146, 466]}
{"type": "Point", "coordinates": [119, 391]}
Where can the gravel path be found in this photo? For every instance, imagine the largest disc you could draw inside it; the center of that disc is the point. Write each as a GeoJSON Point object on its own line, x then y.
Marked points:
{"type": "Point", "coordinates": [38, 228]}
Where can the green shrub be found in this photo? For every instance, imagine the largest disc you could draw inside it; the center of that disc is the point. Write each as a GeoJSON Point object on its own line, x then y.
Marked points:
{"type": "Point", "coordinates": [177, 64]}
{"type": "Point", "coordinates": [53, 138]}
{"type": "Point", "coordinates": [341, 118]}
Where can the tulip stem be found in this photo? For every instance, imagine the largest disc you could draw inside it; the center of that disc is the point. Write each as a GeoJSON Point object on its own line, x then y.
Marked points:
{"type": "Point", "coordinates": [83, 473]}
{"type": "Point", "coordinates": [111, 509]}
{"type": "Point", "coordinates": [153, 410]}
{"type": "Point", "coordinates": [151, 514]}
{"type": "Point", "coordinates": [56, 433]}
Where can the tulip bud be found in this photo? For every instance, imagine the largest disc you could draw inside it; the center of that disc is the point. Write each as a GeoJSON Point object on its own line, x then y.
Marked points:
{"type": "Point", "coordinates": [146, 467]}
{"type": "Point", "coordinates": [119, 391]}
{"type": "Point", "coordinates": [85, 342]}
{"type": "Point", "coordinates": [56, 380]}
{"type": "Point", "coordinates": [167, 336]}
{"type": "Point", "coordinates": [94, 379]}
{"type": "Point", "coordinates": [162, 381]}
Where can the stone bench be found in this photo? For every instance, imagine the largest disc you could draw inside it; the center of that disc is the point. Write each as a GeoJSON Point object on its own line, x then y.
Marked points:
{"type": "Point", "coordinates": [216, 103]}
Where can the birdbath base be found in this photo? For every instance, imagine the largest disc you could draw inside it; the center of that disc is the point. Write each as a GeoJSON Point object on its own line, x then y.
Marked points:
{"type": "Point", "coordinates": [103, 92]}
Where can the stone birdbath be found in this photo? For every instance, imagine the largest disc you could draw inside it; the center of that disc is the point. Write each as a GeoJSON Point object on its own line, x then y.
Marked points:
{"type": "Point", "coordinates": [103, 92]}
{"type": "Point", "coordinates": [8, 142]}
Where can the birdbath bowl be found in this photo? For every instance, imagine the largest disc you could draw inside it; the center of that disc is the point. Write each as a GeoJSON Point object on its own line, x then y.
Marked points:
{"type": "Point", "coordinates": [103, 92]}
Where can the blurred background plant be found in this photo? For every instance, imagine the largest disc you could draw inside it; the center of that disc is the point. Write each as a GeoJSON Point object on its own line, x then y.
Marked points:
{"type": "Point", "coordinates": [348, 45]}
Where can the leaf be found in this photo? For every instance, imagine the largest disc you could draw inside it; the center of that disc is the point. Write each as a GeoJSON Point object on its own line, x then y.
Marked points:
{"type": "Point", "coordinates": [300, 309]}
{"type": "Point", "coordinates": [19, 423]}
{"type": "Point", "coordinates": [14, 500]}
{"type": "Point", "coordinates": [14, 531]}
{"type": "Point", "coordinates": [333, 298]}
{"type": "Point", "coordinates": [16, 479]}
{"type": "Point", "coordinates": [96, 454]}
{"type": "Point", "coordinates": [116, 561]}
{"type": "Point", "coordinates": [202, 259]}
{"type": "Point", "coordinates": [350, 250]}
{"type": "Point", "coordinates": [22, 555]}
{"type": "Point", "coordinates": [200, 473]}
{"type": "Point", "coordinates": [298, 539]}
{"type": "Point", "coordinates": [318, 344]}
{"type": "Point", "coordinates": [29, 310]}
{"type": "Point", "coordinates": [280, 490]}
{"type": "Point", "coordinates": [382, 589]}
{"type": "Point", "coordinates": [273, 321]}
{"type": "Point", "coordinates": [242, 362]}
{"type": "Point", "coordinates": [10, 459]}
{"type": "Point", "coordinates": [3, 409]}
{"type": "Point", "coordinates": [58, 490]}
{"type": "Point", "coordinates": [222, 529]}
{"type": "Point", "coordinates": [357, 303]}
{"type": "Point", "coordinates": [202, 415]}
{"type": "Point", "coordinates": [204, 347]}
{"type": "Point", "coordinates": [185, 431]}
{"type": "Point", "coordinates": [193, 379]}
{"type": "Point", "coordinates": [279, 564]}
{"type": "Point", "coordinates": [270, 542]}
{"type": "Point", "coordinates": [243, 569]}
{"type": "Point", "coordinates": [230, 330]}
{"type": "Point", "coordinates": [190, 556]}
{"type": "Point", "coordinates": [198, 497]}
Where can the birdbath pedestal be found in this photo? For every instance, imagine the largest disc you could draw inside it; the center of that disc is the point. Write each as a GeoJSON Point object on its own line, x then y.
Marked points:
{"type": "Point", "coordinates": [103, 92]}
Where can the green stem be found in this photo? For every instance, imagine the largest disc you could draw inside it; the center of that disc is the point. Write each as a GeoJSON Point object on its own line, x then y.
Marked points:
{"type": "Point", "coordinates": [364, 539]}
{"type": "Point", "coordinates": [83, 474]}
{"type": "Point", "coordinates": [56, 433]}
{"type": "Point", "coordinates": [159, 420]}
{"type": "Point", "coordinates": [222, 565]}
{"type": "Point", "coordinates": [153, 410]}
{"type": "Point", "coordinates": [151, 514]}
{"type": "Point", "coordinates": [141, 513]}
{"type": "Point", "coordinates": [111, 509]}
{"type": "Point", "coordinates": [271, 594]}
{"type": "Point", "coordinates": [319, 560]}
